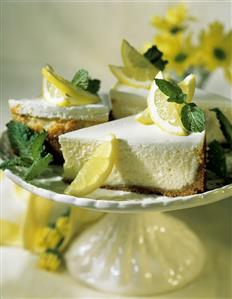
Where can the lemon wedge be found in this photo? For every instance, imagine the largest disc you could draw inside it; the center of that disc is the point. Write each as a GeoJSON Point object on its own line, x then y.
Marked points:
{"type": "Point", "coordinates": [134, 76]}
{"type": "Point", "coordinates": [144, 117]}
{"type": "Point", "coordinates": [167, 115]}
{"type": "Point", "coordinates": [132, 58]}
{"type": "Point", "coordinates": [62, 92]}
{"type": "Point", "coordinates": [95, 171]}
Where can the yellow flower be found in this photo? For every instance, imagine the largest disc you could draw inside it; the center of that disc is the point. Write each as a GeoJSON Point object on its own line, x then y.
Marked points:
{"type": "Point", "coordinates": [228, 73]}
{"type": "Point", "coordinates": [63, 225]}
{"type": "Point", "coordinates": [175, 20]}
{"type": "Point", "coordinates": [215, 48]}
{"type": "Point", "coordinates": [177, 49]}
{"type": "Point", "coordinates": [50, 260]}
{"type": "Point", "coordinates": [48, 237]}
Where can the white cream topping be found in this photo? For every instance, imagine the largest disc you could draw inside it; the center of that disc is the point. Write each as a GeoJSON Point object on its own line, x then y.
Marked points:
{"type": "Point", "coordinates": [39, 107]}
{"type": "Point", "coordinates": [133, 132]}
{"type": "Point", "coordinates": [126, 102]}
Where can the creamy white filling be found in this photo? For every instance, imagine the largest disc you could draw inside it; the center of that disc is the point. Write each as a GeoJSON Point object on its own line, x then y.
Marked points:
{"type": "Point", "coordinates": [127, 100]}
{"type": "Point", "coordinates": [39, 107]}
{"type": "Point", "coordinates": [146, 156]}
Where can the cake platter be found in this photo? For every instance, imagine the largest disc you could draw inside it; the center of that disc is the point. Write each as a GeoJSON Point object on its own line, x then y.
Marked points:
{"type": "Point", "coordinates": [135, 249]}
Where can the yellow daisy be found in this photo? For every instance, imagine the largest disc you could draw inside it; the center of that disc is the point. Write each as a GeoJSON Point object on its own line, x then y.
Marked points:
{"type": "Point", "coordinates": [177, 49]}
{"type": "Point", "coordinates": [215, 48]}
{"type": "Point", "coordinates": [174, 21]}
{"type": "Point", "coordinates": [48, 237]}
{"type": "Point", "coordinates": [50, 260]}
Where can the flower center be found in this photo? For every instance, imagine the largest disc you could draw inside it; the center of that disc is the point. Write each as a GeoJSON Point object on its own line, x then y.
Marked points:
{"type": "Point", "coordinates": [176, 29]}
{"type": "Point", "coordinates": [219, 53]}
{"type": "Point", "coordinates": [180, 57]}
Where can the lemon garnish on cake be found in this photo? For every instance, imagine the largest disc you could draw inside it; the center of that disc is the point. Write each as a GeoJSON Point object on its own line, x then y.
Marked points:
{"type": "Point", "coordinates": [133, 76]}
{"type": "Point", "coordinates": [95, 171]}
{"type": "Point", "coordinates": [62, 92]}
{"type": "Point", "coordinates": [139, 70]}
{"type": "Point", "coordinates": [144, 117]}
{"type": "Point", "coordinates": [170, 106]}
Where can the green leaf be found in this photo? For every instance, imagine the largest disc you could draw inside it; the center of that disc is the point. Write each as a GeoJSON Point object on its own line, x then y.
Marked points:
{"type": "Point", "coordinates": [94, 86]}
{"type": "Point", "coordinates": [154, 55]}
{"type": "Point", "coordinates": [172, 90]}
{"type": "Point", "coordinates": [9, 164]}
{"type": "Point", "coordinates": [19, 136]}
{"type": "Point", "coordinates": [225, 125]}
{"type": "Point", "coordinates": [81, 79]}
{"type": "Point", "coordinates": [193, 118]}
{"type": "Point", "coordinates": [36, 145]}
{"type": "Point", "coordinates": [38, 167]}
{"type": "Point", "coordinates": [217, 159]}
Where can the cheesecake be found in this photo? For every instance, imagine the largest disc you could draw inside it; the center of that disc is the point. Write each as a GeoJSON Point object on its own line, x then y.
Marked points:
{"type": "Point", "coordinates": [149, 160]}
{"type": "Point", "coordinates": [40, 115]}
{"type": "Point", "coordinates": [127, 100]}
{"type": "Point", "coordinates": [62, 108]}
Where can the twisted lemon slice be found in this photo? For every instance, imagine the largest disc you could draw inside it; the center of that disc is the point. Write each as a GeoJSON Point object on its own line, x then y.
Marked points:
{"type": "Point", "coordinates": [62, 92]}
{"type": "Point", "coordinates": [132, 58]}
{"type": "Point", "coordinates": [95, 171]}
{"type": "Point", "coordinates": [134, 76]}
{"type": "Point", "coordinates": [167, 115]}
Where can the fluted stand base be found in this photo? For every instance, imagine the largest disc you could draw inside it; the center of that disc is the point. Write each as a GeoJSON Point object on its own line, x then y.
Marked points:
{"type": "Point", "coordinates": [136, 254]}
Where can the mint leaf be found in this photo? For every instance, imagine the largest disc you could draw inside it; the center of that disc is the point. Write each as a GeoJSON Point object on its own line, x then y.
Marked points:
{"type": "Point", "coordinates": [36, 146]}
{"type": "Point", "coordinates": [172, 90]}
{"type": "Point", "coordinates": [94, 86]}
{"type": "Point", "coordinates": [193, 118]}
{"type": "Point", "coordinates": [30, 148]}
{"type": "Point", "coordinates": [81, 79]}
{"type": "Point", "coordinates": [216, 159]}
{"type": "Point", "coordinates": [154, 55]}
{"type": "Point", "coordinates": [19, 136]}
{"type": "Point", "coordinates": [9, 164]}
{"type": "Point", "coordinates": [225, 125]}
{"type": "Point", "coordinates": [38, 167]}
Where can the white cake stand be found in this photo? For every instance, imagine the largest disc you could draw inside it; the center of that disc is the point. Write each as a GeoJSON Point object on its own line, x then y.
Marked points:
{"type": "Point", "coordinates": [135, 249]}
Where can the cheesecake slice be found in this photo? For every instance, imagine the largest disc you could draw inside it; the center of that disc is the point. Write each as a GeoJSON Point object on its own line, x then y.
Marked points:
{"type": "Point", "coordinates": [39, 114]}
{"type": "Point", "coordinates": [149, 160]}
{"type": "Point", "coordinates": [65, 105]}
{"type": "Point", "coordinates": [127, 100]}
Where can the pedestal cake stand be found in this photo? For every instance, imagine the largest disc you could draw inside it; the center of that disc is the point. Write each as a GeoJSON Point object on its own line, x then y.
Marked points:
{"type": "Point", "coordinates": [136, 248]}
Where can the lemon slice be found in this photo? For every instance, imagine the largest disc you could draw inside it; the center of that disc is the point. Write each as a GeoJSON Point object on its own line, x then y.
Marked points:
{"type": "Point", "coordinates": [167, 115]}
{"type": "Point", "coordinates": [53, 94]}
{"type": "Point", "coordinates": [73, 95]}
{"type": "Point", "coordinates": [134, 76]}
{"type": "Point", "coordinates": [95, 171]}
{"type": "Point", "coordinates": [132, 58]}
{"type": "Point", "coordinates": [144, 117]}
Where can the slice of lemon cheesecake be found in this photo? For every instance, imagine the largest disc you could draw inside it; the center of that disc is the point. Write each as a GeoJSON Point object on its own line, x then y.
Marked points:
{"type": "Point", "coordinates": [166, 157]}
{"type": "Point", "coordinates": [64, 106]}
{"type": "Point", "coordinates": [147, 158]}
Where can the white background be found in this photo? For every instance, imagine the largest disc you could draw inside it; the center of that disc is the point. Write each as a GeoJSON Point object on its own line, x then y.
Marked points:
{"type": "Point", "coordinates": [70, 35]}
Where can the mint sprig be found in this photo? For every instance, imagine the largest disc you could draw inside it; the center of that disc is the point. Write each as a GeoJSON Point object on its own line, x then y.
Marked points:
{"type": "Point", "coordinates": [31, 156]}
{"type": "Point", "coordinates": [216, 159]}
{"type": "Point", "coordinates": [225, 125]}
{"type": "Point", "coordinates": [154, 55]}
{"type": "Point", "coordinates": [172, 90]}
{"type": "Point", "coordinates": [83, 80]}
{"type": "Point", "coordinates": [192, 116]}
